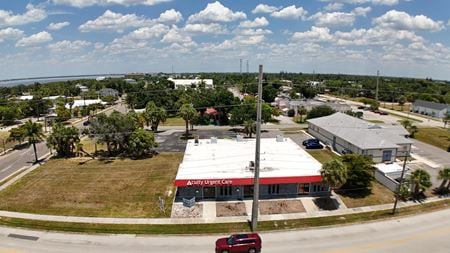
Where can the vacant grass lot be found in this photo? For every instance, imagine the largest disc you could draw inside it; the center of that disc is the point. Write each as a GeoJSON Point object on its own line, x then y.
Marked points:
{"type": "Point", "coordinates": [120, 188]}
{"type": "Point", "coordinates": [323, 155]}
{"type": "Point", "coordinates": [177, 121]}
{"type": "Point", "coordinates": [4, 140]}
{"type": "Point", "coordinates": [438, 137]}
{"type": "Point", "coordinates": [378, 195]}
{"type": "Point", "coordinates": [89, 146]}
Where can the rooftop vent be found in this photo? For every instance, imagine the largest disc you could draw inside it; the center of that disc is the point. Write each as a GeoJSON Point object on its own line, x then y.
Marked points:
{"type": "Point", "coordinates": [213, 140]}
{"type": "Point", "coordinates": [251, 165]}
{"type": "Point", "coordinates": [280, 138]}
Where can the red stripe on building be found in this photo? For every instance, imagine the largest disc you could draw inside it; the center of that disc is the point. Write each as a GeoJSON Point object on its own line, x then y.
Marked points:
{"type": "Point", "coordinates": [248, 181]}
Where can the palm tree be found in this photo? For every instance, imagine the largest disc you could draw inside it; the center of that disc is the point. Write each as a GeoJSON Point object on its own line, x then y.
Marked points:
{"type": "Point", "coordinates": [420, 180]}
{"type": "Point", "coordinates": [334, 173]}
{"type": "Point", "coordinates": [33, 132]}
{"type": "Point", "coordinates": [444, 175]}
{"type": "Point", "coordinates": [302, 111]}
{"type": "Point", "coordinates": [155, 115]}
{"type": "Point", "coordinates": [413, 130]}
{"type": "Point", "coordinates": [187, 112]}
{"type": "Point", "coordinates": [249, 127]}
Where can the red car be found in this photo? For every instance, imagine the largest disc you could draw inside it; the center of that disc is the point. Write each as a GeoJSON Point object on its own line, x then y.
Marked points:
{"type": "Point", "coordinates": [250, 243]}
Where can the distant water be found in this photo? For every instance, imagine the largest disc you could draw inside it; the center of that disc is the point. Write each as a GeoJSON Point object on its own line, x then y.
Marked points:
{"type": "Point", "coordinates": [26, 81]}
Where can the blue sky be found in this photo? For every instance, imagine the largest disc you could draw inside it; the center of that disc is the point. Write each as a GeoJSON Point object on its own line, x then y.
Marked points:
{"type": "Point", "coordinates": [66, 37]}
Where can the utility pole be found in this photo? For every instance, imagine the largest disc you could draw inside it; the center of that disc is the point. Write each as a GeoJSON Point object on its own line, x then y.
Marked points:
{"type": "Point", "coordinates": [378, 82]}
{"type": "Point", "coordinates": [399, 188]}
{"type": "Point", "coordinates": [257, 153]}
{"type": "Point", "coordinates": [240, 66]}
{"type": "Point", "coordinates": [247, 67]}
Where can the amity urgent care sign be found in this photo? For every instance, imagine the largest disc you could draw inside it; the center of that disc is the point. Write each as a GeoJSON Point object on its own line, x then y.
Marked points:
{"type": "Point", "coordinates": [246, 181]}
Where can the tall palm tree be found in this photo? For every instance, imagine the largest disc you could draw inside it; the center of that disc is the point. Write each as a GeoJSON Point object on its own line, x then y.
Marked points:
{"type": "Point", "coordinates": [155, 115]}
{"type": "Point", "coordinates": [444, 175]}
{"type": "Point", "coordinates": [334, 173]}
{"type": "Point", "coordinates": [33, 132]}
{"type": "Point", "coordinates": [249, 127]}
{"type": "Point", "coordinates": [187, 112]}
{"type": "Point", "coordinates": [420, 180]}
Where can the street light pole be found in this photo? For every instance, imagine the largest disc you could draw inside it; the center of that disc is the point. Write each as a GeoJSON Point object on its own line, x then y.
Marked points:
{"type": "Point", "coordinates": [399, 188]}
{"type": "Point", "coordinates": [257, 153]}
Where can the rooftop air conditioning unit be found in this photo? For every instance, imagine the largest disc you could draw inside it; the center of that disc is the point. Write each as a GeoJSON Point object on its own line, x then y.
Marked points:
{"type": "Point", "coordinates": [239, 138]}
{"type": "Point", "coordinates": [213, 140]}
{"type": "Point", "coordinates": [280, 138]}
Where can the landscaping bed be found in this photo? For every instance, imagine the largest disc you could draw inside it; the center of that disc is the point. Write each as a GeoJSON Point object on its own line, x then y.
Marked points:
{"type": "Point", "coordinates": [322, 155]}
{"type": "Point", "coordinates": [180, 211]}
{"type": "Point", "coordinates": [230, 209]}
{"type": "Point", "coordinates": [326, 203]}
{"type": "Point", "coordinates": [281, 207]}
{"type": "Point", "coordinates": [86, 187]}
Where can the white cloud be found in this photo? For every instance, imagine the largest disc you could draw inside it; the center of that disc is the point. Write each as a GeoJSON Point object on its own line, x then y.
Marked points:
{"type": "Point", "coordinates": [316, 34]}
{"type": "Point", "coordinates": [333, 19]}
{"type": "Point", "coordinates": [400, 20]}
{"type": "Point", "coordinates": [176, 36]}
{"type": "Point", "coordinates": [112, 21]}
{"type": "Point", "coordinates": [146, 33]}
{"type": "Point", "coordinates": [290, 12]}
{"type": "Point", "coordinates": [374, 36]}
{"type": "Point", "coordinates": [170, 16]}
{"type": "Point", "coordinates": [213, 28]}
{"type": "Point", "coordinates": [361, 11]}
{"type": "Point", "coordinates": [32, 15]}
{"type": "Point", "coordinates": [10, 33]}
{"type": "Point", "coordinates": [334, 7]}
{"type": "Point", "coordinates": [448, 22]}
{"type": "Point", "coordinates": [57, 26]}
{"type": "Point", "coordinates": [258, 22]}
{"type": "Point", "coordinates": [216, 12]}
{"type": "Point", "coordinates": [253, 32]}
{"type": "Point", "coordinates": [69, 46]}
{"type": "Point", "coordinates": [35, 39]}
{"type": "Point", "coordinates": [86, 3]}
{"type": "Point", "coordinates": [377, 2]}
{"type": "Point", "coordinates": [264, 8]}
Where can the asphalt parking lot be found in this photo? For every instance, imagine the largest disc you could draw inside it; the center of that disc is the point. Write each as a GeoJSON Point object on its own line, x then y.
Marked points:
{"type": "Point", "coordinates": [170, 140]}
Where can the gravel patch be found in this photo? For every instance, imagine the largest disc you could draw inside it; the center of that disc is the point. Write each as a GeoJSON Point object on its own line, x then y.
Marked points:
{"type": "Point", "coordinates": [230, 209]}
{"type": "Point", "coordinates": [281, 207]}
{"type": "Point", "coordinates": [180, 211]}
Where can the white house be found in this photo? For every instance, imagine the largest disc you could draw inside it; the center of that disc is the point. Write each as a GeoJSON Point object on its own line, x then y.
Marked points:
{"type": "Point", "coordinates": [187, 83]}
{"type": "Point", "coordinates": [347, 134]}
{"type": "Point", "coordinates": [430, 108]}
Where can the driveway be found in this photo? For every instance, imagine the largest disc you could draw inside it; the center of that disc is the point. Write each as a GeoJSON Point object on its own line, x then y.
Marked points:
{"type": "Point", "coordinates": [436, 155]}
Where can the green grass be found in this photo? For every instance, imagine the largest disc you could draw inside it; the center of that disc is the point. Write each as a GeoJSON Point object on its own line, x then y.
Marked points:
{"type": "Point", "coordinates": [438, 137]}
{"type": "Point", "coordinates": [4, 139]}
{"type": "Point", "coordinates": [377, 195]}
{"type": "Point", "coordinates": [177, 121]}
{"type": "Point", "coordinates": [396, 107]}
{"type": "Point", "coordinates": [224, 228]}
{"type": "Point", "coordinates": [323, 155]}
{"type": "Point", "coordinates": [376, 121]}
{"type": "Point", "coordinates": [85, 187]}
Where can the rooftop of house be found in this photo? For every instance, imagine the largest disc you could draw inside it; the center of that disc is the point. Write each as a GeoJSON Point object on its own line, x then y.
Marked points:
{"type": "Point", "coordinates": [363, 134]}
{"type": "Point", "coordinates": [230, 159]}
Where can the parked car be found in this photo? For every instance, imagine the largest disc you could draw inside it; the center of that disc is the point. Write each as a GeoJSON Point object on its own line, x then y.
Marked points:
{"type": "Point", "coordinates": [314, 146]}
{"type": "Point", "coordinates": [361, 107]}
{"type": "Point", "coordinates": [250, 243]}
{"type": "Point", "coordinates": [383, 113]}
{"type": "Point", "coordinates": [308, 141]}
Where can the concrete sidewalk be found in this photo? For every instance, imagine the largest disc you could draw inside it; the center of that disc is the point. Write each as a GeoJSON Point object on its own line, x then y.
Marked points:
{"type": "Point", "coordinates": [167, 221]}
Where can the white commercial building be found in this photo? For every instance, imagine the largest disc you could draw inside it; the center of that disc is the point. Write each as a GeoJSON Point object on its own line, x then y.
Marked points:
{"type": "Point", "coordinates": [85, 102]}
{"type": "Point", "coordinates": [223, 169]}
{"type": "Point", "coordinates": [430, 108]}
{"type": "Point", "coordinates": [347, 134]}
{"type": "Point", "coordinates": [192, 83]}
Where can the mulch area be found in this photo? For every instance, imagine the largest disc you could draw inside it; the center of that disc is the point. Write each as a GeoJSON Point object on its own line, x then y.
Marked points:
{"type": "Point", "coordinates": [230, 209]}
{"type": "Point", "coordinates": [281, 207]}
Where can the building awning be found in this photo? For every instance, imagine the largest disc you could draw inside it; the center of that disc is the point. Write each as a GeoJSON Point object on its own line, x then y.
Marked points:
{"type": "Point", "coordinates": [247, 181]}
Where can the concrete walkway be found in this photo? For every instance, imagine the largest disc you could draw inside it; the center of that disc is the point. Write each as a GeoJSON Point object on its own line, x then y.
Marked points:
{"type": "Point", "coordinates": [310, 214]}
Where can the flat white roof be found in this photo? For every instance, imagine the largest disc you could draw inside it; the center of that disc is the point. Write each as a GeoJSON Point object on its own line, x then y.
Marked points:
{"type": "Point", "coordinates": [388, 168]}
{"type": "Point", "coordinates": [229, 159]}
{"type": "Point", "coordinates": [81, 102]}
{"type": "Point", "coordinates": [187, 82]}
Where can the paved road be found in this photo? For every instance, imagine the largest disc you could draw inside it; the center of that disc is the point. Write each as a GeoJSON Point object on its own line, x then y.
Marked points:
{"type": "Point", "coordinates": [17, 159]}
{"type": "Point", "coordinates": [418, 234]}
